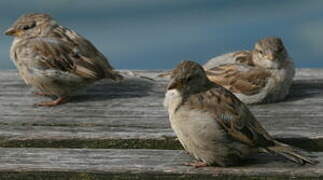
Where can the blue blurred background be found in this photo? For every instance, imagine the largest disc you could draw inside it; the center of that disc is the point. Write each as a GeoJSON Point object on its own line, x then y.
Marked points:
{"type": "Point", "coordinates": [157, 34]}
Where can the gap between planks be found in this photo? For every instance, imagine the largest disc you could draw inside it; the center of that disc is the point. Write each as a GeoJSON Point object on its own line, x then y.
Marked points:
{"type": "Point", "coordinates": [162, 164]}
{"type": "Point", "coordinates": [130, 115]}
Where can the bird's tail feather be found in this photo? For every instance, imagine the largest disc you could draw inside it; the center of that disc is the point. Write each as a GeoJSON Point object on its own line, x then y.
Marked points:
{"type": "Point", "coordinates": [118, 76]}
{"type": "Point", "coordinates": [165, 74]}
{"type": "Point", "coordinates": [290, 153]}
{"type": "Point", "coordinates": [114, 75]}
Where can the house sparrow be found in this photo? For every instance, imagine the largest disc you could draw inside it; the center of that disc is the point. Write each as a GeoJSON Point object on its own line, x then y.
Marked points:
{"type": "Point", "coordinates": [54, 59]}
{"type": "Point", "coordinates": [263, 75]}
{"type": "Point", "coordinates": [215, 126]}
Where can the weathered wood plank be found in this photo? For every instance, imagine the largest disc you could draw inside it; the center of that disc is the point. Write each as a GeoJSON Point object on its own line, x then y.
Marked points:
{"type": "Point", "coordinates": [110, 114]}
{"type": "Point", "coordinates": [105, 137]}
{"type": "Point", "coordinates": [87, 137]}
{"type": "Point", "coordinates": [150, 164]}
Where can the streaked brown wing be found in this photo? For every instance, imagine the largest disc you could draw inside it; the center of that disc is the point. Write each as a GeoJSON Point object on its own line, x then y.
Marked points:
{"type": "Point", "coordinates": [239, 78]}
{"type": "Point", "coordinates": [232, 115]}
{"type": "Point", "coordinates": [59, 55]}
{"type": "Point", "coordinates": [86, 48]}
{"type": "Point", "coordinates": [243, 57]}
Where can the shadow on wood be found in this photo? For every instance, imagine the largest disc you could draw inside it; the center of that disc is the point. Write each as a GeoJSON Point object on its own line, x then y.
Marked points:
{"type": "Point", "coordinates": [105, 90]}
{"type": "Point", "coordinates": [302, 89]}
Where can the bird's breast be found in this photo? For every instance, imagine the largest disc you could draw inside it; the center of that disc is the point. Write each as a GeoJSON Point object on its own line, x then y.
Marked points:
{"type": "Point", "coordinates": [13, 50]}
{"type": "Point", "coordinates": [172, 100]}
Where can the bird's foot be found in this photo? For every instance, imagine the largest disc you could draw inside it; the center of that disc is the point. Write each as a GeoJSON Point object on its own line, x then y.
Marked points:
{"type": "Point", "coordinates": [56, 102]}
{"type": "Point", "coordinates": [196, 164]}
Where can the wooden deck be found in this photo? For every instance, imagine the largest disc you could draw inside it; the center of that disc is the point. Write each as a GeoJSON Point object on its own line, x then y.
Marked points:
{"type": "Point", "coordinates": [121, 131]}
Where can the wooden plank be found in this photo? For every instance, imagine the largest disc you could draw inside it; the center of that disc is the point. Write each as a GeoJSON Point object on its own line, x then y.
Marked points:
{"type": "Point", "coordinates": [87, 137]}
{"type": "Point", "coordinates": [111, 114]}
{"type": "Point", "coordinates": [142, 164]}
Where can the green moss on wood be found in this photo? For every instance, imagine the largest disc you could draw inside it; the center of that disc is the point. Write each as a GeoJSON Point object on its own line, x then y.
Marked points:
{"type": "Point", "coordinates": [165, 143]}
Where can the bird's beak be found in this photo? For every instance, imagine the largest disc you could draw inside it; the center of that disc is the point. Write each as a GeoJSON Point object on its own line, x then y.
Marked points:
{"type": "Point", "coordinates": [12, 32]}
{"type": "Point", "coordinates": [271, 56]}
{"type": "Point", "coordinates": [172, 85]}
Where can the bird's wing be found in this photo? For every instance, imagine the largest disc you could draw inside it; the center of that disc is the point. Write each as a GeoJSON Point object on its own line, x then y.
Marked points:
{"type": "Point", "coordinates": [243, 57]}
{"type": "Point", "coordinates": [240, 78]}
{"type": "Point", "coordinates": [232, 115]}
{"type": "Point", "coordinates": [56, 54]}
{"type": "Point", "coordinates": [86, 48]}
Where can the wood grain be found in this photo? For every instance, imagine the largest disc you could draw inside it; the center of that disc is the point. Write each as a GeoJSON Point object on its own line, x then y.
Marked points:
{"type": "Point", "coordinates": [111, 114]}
{"type": "Point", "coordinates": [142, 164]}
{"type": "Point", "coordinates": [130, 115]}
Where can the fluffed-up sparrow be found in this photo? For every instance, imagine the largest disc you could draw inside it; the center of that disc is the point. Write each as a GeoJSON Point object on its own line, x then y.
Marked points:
{"type": "Point", "coordinates": [54, 59]}
{"type": "Point", "coordinates": [262, 75]}
{"type": "Point", "coordinates": [213, 125]}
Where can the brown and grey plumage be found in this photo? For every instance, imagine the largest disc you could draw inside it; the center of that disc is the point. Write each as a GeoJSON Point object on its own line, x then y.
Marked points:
{"type": "Point", "coordinates": [54, 59]}
{"type": "Point", "coordinates": [215, 126]}
{"type": "Point", "coordinates": [262, 75]}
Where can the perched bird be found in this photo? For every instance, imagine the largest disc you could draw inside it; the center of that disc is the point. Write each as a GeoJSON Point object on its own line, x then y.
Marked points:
{"type": "Point", "coordinates": [263, 75]}
{"type": "Point", "coordinates": [215, 126]}
{"type": "Point", "coordinates": [54, 59]}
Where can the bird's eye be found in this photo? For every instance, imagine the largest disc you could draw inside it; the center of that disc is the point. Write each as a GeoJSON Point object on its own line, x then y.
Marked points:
{"type": "Point", "coordinates": [26, 27]}
{"type": "Point", "coordinates": [189, 79]}
{"type": "Point", "coordinates": [260, 52]}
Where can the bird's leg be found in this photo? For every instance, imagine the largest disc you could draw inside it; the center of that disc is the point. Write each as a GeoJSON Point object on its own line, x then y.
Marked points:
{"type": "Point", "coordinates": [41, 94]}
{"type": "Point", "coordinates": [56, 102]}
{"type": "Point", "coordinates": [196, 164]}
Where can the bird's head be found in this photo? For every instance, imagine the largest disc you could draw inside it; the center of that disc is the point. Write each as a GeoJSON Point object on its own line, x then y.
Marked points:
{"type": "Point", "coordinates": [31, 25]}
{"type": "Point", "coordinates": [269, 53]}
{"type": "Point", "coordinates": [188, 77]}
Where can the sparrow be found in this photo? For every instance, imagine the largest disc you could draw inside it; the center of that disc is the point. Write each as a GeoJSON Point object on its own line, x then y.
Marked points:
{"type": "Point", "coordinates": [262, 75]}
{"type": "Point", "coordinates": [213, 125]}
{"type": "Point", "coordinates": [54, 59]}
